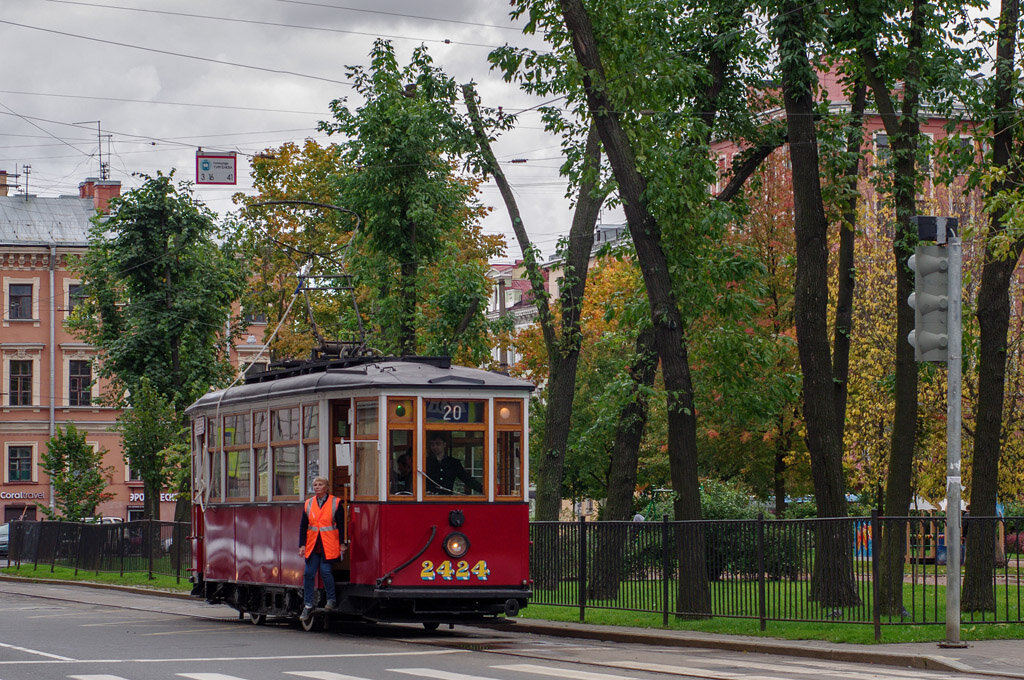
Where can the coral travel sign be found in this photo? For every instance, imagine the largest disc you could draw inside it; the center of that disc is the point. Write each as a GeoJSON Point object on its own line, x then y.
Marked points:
{"type": "Point", "coordinates": [216, 168]}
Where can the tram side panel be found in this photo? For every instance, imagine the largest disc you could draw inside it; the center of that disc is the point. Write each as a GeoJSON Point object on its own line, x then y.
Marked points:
{"type": "Point", "coordinates": [253, 544]}
{"type": "Point", "coordinates": [219, 538]}
{"type": "Point", "coordinates": [364, 547]}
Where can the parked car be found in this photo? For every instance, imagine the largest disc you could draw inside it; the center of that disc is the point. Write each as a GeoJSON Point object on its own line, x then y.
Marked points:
{"type": "Point", "coordinates": [5, 534]}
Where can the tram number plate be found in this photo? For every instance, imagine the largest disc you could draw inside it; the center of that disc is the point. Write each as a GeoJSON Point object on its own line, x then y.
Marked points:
{"type": "Point", "coordinates": [460, 571]}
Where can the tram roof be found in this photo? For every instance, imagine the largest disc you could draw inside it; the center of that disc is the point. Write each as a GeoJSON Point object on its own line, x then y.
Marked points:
{"type": "Point", "coordinates": [382, 374]}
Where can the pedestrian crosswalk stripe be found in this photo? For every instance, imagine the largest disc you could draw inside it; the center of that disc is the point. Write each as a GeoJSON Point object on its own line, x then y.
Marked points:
{"type": "Point", "coordinates": [208, 676]}
{"type": "Point", "coordinates": [561, 672]}
{"type": "Point", "coordinates": [36, 652]}
{"type": "Point", "coordinates": [96, 677]}
{"type": "Point", "coordinates": [692, 670]}
{"type": "Point", "coordinates": [439, 675]}
{"type": "Point", "coordinates": [323, 675]}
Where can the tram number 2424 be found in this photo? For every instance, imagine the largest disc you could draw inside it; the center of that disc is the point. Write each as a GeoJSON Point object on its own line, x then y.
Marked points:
{"type": "Point", "coordinates": [460, 571]}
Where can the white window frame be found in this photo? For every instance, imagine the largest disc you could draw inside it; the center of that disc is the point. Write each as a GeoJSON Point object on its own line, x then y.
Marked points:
{"type": "Point", "coordinates": [8, 282]}
{"type": "Point", "coordinates": [94, 388]}
{"type": "Point", "coordinates": [21, 354]}
{"type": "Point", "coordinates": [7, 462]}
{"type": "Point", "coordinates": [67, 295]}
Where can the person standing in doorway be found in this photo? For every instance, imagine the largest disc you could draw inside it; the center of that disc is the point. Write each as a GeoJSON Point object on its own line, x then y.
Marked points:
{"type": "Point", "coordinates": [320, 544]}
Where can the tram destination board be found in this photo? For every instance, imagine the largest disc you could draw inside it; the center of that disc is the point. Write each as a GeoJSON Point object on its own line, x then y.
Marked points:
{"type": "Point", "coordinates": [454, 411]}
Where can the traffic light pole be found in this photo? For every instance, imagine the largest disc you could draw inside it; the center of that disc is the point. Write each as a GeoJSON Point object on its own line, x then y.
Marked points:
{"type": "Point", "coordinates": [953, 487]}
{"type": "Point", "coordinates": [938, 329]}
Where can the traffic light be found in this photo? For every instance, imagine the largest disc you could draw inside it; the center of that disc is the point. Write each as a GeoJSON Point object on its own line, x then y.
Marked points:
{"type": "Point", "coordinates": [930, 301]}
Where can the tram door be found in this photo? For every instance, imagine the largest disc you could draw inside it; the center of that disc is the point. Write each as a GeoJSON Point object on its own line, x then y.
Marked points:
{"type": "Point", "coordinates": [341, 456]}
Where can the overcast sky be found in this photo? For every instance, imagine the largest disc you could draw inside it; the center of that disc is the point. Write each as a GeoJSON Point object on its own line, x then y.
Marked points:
{"type": "Point", "coordinates": [164, 77]}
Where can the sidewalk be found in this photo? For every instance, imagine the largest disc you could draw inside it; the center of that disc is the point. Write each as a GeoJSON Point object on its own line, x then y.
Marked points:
{"type": "Point", "coordinates": [995, 658]}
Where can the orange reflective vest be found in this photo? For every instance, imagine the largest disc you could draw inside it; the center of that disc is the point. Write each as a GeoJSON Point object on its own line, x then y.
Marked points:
{"type": "Point", "coordinates": [321, 523]}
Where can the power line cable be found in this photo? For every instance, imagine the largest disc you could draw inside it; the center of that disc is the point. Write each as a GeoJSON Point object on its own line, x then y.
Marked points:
{"type": "Point", "coordinates": [398, 14]}
{"type": "Point", "coordinates": [209, 60]}
{"type": "Point", "coordinates": [326, 29]}
{"type": "Point", "coordinates": [156, 101]}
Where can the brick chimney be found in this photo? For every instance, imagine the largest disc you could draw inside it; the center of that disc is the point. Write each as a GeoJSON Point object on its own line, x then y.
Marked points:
{"type": "Point", "coordinates": [100, 191]}
{"type": "Point", "coordinates": [3, 182]}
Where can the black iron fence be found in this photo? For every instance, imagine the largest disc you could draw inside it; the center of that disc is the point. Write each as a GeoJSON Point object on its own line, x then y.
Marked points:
{"type": "Point", "coordinates": [773, 570]}
{"type": "Point", "coordinates": [122, 547]}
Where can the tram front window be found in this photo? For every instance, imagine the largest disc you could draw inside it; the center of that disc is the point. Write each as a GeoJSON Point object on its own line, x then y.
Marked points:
{"type": "Point", "coordinates": [455, 463]}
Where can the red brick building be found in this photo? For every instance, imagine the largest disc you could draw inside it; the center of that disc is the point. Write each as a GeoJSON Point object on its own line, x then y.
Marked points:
{"type": "Point", "coordinates": [46, 374]}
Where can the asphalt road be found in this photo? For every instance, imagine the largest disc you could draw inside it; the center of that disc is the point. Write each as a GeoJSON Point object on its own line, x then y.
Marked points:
{"type": "Point", "coordinates": [55, 632]}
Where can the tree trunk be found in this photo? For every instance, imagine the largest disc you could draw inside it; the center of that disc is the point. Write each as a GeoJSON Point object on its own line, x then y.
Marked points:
{"type": "Point", "coordinates": [904, 131]}
{"type": "Point", "coordinates": [693, 597]}
{"type": "Point", "coordinates": [993, 321]}
{"type": "Point", "coordinates": [611, 549]}
{"type": "Point", "coordinates": [563, 355]}
{"type": "Point", "coordinates": [833, 585]}
{"type": "Point", "coordinates": [843, 328]}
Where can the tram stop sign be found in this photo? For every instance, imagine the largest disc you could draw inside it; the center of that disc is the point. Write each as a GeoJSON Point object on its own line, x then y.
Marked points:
{"type": "Point", "coordinates": [216, 168]}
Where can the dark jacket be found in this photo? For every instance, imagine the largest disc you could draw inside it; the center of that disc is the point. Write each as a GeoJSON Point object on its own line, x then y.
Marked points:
{"type": "Point", "coordinates": [443, 473]}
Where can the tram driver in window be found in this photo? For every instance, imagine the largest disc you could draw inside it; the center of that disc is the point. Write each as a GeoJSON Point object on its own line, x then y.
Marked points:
{"type": "Point", "coordinates": [443, 469]}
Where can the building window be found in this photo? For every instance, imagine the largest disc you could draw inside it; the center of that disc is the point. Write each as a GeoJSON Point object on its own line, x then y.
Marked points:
{"type": "Point", "coordinates": [19, 463]}
{"type": "Point", "coordinates": [79, 383]}
{"type": "Point", "coordinates": [20, 297]}
{"type": "Point", "coordinates": [21, 382]}
{"type": "Point", "coordinates": [254, 319]}
{"type": "Point", "coordinates": [76, 294]}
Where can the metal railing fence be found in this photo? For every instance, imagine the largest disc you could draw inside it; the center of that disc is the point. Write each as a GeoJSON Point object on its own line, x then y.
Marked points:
{"type": "Point", "coordinates": [772, 570]}
{"type": "Point", "coordinates": [144, 546]}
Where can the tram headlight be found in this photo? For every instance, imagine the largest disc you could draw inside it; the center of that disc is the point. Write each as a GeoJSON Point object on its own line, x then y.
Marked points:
{"type": "Point", "coordinates": [456, 545]}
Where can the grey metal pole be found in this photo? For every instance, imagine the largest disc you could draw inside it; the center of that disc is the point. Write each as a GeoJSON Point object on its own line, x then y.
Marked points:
{"type": "Point", "coordinates": [954, 330]}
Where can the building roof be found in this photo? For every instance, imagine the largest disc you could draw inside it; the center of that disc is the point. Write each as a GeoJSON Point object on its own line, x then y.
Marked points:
{"type": "Point", "coordinates": [33, 221]}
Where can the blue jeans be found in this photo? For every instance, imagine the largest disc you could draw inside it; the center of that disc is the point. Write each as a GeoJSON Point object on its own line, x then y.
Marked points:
{"type": "Point", "coordinates": [317, 562]}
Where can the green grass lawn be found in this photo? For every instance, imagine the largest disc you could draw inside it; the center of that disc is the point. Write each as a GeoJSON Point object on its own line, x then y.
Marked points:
{"type": "Point", "coordinates": [135, 579]}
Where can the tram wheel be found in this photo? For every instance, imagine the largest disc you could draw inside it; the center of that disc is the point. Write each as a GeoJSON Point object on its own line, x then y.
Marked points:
{"type": "Point", "coordinates": [431, 625]}
{"type": "Point", "coordinates": [257, 619]}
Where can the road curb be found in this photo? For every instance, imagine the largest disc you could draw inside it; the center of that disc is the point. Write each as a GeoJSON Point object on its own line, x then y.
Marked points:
{"type": "Point", "coordinates": [652, 636]}
{"type": "Point", "coordinates": [98, 586]}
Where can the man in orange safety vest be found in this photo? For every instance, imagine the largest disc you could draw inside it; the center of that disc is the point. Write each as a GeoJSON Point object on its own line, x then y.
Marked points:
{"type": "Point", "coordinates": [320, 543]}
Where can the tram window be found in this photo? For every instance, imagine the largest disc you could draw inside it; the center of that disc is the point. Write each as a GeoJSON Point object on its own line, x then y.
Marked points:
{"type": "Point", "coordinates": [366, 418]}
{"type": "Point", "coordinates": [239, 474]}
{"type": "Point", "coordinates": [262, 474]}
{"type": "Point", "coordinates": [509, 462]}
{"type": "Point", "coordinates": [259, 427]}
{"type": "Point", "coordinates": [508, 420]}
{"type": "Point", "coordinates": [284, 424]}
{"type": "Point", "coordinates": [215, 475]}
{"type": "Point", "coordinates": [311, 421]}
{"type": "Point", "coordinates": [286, 472]}
{"type": "Point", "coordinates": [236, 429]}
{"type": "Point", "coordinates": [312, 465]}
{"type": "Point", "coordinates": [455, 462]}
{"type": "Point", "coordinates": [366, 469]}
{"type": "Point", "coordinates": [402, 463]}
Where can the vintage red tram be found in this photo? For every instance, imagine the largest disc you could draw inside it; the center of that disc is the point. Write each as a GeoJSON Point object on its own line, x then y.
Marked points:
{"type": "Point", "coordinates": [429, 539]}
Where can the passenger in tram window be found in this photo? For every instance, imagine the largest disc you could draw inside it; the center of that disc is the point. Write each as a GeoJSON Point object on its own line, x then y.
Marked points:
{"type": "Point", "coordinates": [401, 476]}
{"type": "Point", "coordinates": [320, 543]}
{"type": "Point", "coordinates": [443, 469]}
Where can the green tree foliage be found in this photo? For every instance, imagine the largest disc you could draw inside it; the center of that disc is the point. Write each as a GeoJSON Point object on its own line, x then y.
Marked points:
{"type": "Point", "coordinates": [422, 254]}
{"type": "Point", "coordinates": [159, 287]}
{"type": "Point", "coordinates": [77, 473]}
{"type": "Point", "coordinates": [155, 443]}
